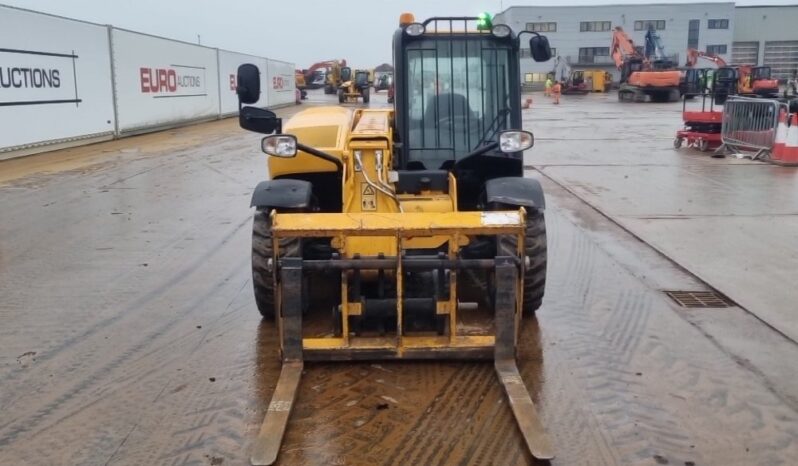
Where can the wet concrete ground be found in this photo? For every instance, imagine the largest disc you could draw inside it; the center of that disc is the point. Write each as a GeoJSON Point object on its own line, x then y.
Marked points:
{"type": "Point", "coordinates": [130, 335]}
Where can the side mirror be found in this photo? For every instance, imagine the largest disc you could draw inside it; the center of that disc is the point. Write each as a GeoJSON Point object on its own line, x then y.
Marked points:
{"type": "Point", "coordinates": [540, 48]}
{"type": "Point", "coordinates": [259, 120]}
{"type": "Point", "coordinates": [281, 145]}
{"type": "Point", "coordinates": [248, 83]}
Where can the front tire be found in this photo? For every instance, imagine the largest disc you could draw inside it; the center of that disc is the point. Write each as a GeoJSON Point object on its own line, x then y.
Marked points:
{"type": "Point", "coordinates": [536, 249]}
{"type": "Point", "coordinates": [365, 95]}
{"type": "Point", "coordinates": [536, 252]}
{"type": "Point", "coordinates": [341, 96]}
{"type": "Point", "coordinates": [264, 277]}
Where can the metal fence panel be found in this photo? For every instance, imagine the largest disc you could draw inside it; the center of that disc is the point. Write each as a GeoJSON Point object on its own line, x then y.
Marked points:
{"type": "Point", "coordinates": [750, 124]}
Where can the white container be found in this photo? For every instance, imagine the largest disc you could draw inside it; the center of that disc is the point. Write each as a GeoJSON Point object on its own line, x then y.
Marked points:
{"type": "Point", "coordinates": [228, 68]}
{"type": "Point", "coordinates": [161, 82]}
{"type": "Point", "coordinates": [55, 80]}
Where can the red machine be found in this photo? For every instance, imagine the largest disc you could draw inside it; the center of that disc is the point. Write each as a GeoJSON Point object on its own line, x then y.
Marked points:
{"type": "Point", "coordinates": [702, 127]}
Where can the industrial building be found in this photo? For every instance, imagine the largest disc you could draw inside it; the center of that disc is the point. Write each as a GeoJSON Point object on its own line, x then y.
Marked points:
{"type": "Point", "coordinates": [766, 35]}
{"type": "Point", "coordinates": [581, 35]}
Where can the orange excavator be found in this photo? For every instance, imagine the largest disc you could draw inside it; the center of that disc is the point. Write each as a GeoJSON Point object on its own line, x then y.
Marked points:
{"type": "Point", "coordinates": [316, 75]}
{"type": "Point", "coordinates": [756, 80]}
{"type": "Point", "coordinates": [644, 79]}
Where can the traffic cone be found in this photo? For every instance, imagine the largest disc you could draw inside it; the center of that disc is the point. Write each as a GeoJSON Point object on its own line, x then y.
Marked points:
{"type": "Point", "coordinates": [790, 151]}
{"type": "Point", "coordinates": [781, 136]}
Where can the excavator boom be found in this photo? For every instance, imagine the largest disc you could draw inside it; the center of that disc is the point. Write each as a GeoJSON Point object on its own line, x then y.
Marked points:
{"type": "Point", "coordinates": [693, 55]}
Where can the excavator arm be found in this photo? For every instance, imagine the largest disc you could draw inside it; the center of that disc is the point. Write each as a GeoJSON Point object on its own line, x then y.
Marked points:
{"type": "Point", "coordinates": [622, 48]}
{"type": "Point", "coordinates": [654, 47]}
{"type": "Point", "coordinates": [693, 55]}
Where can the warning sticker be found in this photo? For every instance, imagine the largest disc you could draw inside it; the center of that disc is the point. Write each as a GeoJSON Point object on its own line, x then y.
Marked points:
{"type": "Point", "coordinates": [501, 218]}
{"type": "Point", "coordinates": [368, 198]}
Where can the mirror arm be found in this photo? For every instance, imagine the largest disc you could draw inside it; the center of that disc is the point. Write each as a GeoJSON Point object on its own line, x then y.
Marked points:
{"type": "Point", "coordinates": [321, 155]}
{"type": "Point", "coordinates": [518, 37]}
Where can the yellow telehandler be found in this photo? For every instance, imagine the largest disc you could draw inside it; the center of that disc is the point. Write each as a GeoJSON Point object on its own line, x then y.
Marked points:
{"type": "Point", "coordinates": [354, 87]}
{"type": "Point", "coordinates": [414, 225]}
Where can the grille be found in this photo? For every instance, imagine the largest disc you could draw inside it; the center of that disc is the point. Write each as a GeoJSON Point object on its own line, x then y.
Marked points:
{"type": "Point", "coordinates": [699, 299]}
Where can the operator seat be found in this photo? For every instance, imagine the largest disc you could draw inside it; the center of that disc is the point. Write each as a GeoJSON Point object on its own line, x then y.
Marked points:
{"type": "Point", "coordinates": [446, 105]}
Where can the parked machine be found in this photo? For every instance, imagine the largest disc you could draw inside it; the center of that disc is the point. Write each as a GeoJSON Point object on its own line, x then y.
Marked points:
{"type": "Point", "coordinates": [301, 86]}
{"type": "Point", "coordinates": [382, 81]}
{"type": "Point", "coordinates": [354, 87]}
{"type": "Point", "coordinates": [573, 81]}
{"type": "Point", "coordinates": [316, 75]}
{"type": "Point", "coordinates": [333, 78]}
{"type": "Point", "coordinates": [698, 81]}
{"type": "Point", "coordinates": [701, 125]}
{"type": "Point", "coordinates": [597, 80]}
{"type": "Point", "coordinates": [410, 219]}
{"type": "Point", "coordinates": [644, 79]}
{"type": "Point", "coordinates": [756, 81]}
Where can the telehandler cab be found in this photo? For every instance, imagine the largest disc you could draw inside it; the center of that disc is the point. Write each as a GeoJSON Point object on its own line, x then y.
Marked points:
{"type": "Point", "coordinates": [414, 225]}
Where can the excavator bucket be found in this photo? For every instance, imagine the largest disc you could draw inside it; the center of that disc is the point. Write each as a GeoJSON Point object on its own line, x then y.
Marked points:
{"type": "Point", "coordinates": [496, 341]}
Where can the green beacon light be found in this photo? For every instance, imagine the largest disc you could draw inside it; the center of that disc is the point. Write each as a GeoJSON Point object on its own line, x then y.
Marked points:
{"type": "Point", "coordinates": [484, 22]}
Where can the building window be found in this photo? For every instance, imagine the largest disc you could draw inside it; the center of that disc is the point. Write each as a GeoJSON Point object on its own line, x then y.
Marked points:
{"type": "Point", "coordinates": [541, 27]}
{"type": "Point", "coordinates": [692, 33]}
{"type": "Point", "coordinates": [719, 24]}
{"type": "Point", "coordinates": [716, 49]}
{"type": "Point", "coordinates": [595, 26]}
{"type": "Point", "coordinates": [597, 55]}
{"type": "Point", "coordinates": [525, 53]}
{"type": "Point", "coordinates": [594, 51]}
{"type": "Point", "coordinates": [534, 77]}
{"type": "Point", "coordinates": [659, 24]}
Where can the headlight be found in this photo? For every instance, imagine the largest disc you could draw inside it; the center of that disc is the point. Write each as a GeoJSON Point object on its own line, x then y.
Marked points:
{"type": "Point", "coordinates": [515, 141]}
{"type": "Point", "coordinates": [414, 29]}
{"type": "Point", "coordinates": [501, 30]}
{"type": "Point", "coordinates": [279, 145]}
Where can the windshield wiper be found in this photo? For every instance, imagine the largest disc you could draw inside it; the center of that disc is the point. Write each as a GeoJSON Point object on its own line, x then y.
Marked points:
{"type": "Point", "coordinates": [490, 132]}
{"type": "Point", "coordinates": [487, 142]}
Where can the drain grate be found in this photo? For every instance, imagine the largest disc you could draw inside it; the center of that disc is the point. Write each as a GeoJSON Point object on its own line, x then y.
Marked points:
{"type": "Point", "coordinates": [699, 299]}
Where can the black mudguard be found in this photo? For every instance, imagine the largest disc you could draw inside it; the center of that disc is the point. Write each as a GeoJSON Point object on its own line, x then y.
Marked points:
{"type": "Point", "coordinates": [517, 191]}
{"type": "Point", "coordinates": [286, 194]}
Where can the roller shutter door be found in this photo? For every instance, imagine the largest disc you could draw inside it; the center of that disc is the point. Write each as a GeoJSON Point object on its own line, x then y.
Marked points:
{"type": "Point", "coordinates": [781, 57]}
{"type": "Point", "coordinates": [745, 53]}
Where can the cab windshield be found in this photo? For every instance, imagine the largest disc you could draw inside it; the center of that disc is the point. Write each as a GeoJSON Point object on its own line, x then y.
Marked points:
{"type": "Point", "coordinates": [458, 97]}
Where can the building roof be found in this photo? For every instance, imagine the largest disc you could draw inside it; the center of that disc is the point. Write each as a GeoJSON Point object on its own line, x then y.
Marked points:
{"type": "Point", "coordinates": [559, 6]}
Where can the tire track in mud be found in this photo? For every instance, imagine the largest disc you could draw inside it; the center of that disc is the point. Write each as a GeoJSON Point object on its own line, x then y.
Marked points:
{"type": "Point", "coordinates": [192, 418]}
{"type": "Point", "coordinates": [623, 370]}
{"type": "Point", "coordinates": [138, 303]}
{"type": "Point", "coordinates": [16, 427]}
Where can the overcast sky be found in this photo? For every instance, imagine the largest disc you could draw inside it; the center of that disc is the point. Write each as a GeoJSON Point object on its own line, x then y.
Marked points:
{"type": "Point", "coordinates": [299, 31]}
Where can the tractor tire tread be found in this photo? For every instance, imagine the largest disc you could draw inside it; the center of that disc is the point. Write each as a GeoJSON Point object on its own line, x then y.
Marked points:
{"type": "Point", "coordinates": [263, 280]}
